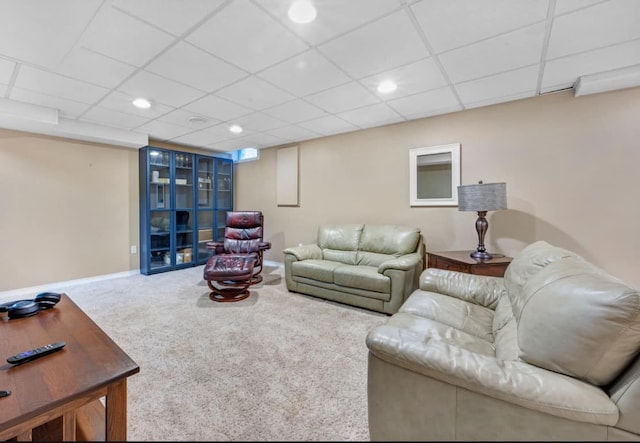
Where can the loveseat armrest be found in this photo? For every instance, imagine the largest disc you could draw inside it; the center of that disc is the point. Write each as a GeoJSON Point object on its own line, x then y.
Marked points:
{"type": "Point", "coordinates": [402, 263]}
{"type": "Point", "coordinates": [304, 252]}
{"type": "Point", "coordinates": [515, 382]}
{"type": "Point", "coordinates": [479, 289]}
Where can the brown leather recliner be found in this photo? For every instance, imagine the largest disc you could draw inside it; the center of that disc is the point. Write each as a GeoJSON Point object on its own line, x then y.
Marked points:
{"type": "Point", "coordinates": [238, 259]}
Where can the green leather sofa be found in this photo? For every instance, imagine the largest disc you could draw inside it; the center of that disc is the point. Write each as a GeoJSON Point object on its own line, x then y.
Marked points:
{"type": "Point", "coordinates": [374, 267]}
{"type": "Point", "coordinates": [549, 352]}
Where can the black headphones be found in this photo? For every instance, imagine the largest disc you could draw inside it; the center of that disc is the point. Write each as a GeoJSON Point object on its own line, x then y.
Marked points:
{"type": "Point", "coordinates": [27, 308]}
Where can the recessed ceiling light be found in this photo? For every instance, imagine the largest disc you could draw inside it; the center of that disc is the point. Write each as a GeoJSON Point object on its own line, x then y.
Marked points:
{"type": "Point", "coordinates": [387, 86]}
{"type": "Point", "coordinates": [302, 11]}
{"type": "Point", "coordinates": [236, 129]}
{"type": "Point", "coordinates": [142, 103]}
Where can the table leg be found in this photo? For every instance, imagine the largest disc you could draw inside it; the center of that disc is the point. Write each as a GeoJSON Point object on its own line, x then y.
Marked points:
{"type": "Point", "coordinates": [116, 411]}
{"type": "Point", "coordinates": [69, 426]}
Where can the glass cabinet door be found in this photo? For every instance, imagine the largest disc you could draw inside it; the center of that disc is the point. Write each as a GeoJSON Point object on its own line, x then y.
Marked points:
{"type": "Point", "coordinates": [205, 206]}
{"type": "Point", "coordinates": [159, 204]}
{"type": "Point", "coordinates": [184, 208]}
{"type": "Point", "coordinates": [224, 194]}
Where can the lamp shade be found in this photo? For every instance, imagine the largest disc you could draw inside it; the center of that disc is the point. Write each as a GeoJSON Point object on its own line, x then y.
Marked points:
{"type": "Point", "coordinates": [482, 197]}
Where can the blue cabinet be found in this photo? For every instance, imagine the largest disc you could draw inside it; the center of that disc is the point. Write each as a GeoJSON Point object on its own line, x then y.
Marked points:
{"type": "Point", "coordinates": [184, 198]}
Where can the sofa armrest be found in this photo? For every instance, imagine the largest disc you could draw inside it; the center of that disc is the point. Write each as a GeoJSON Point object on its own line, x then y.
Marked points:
{"type": "Point", "coordinates": [479, 289]}
{"type": "Point", "coordinates": [402, 263]}
{"type": "Point", "coordinates": [511, 381]}
{"type": "Point", "coordinates": [304, 252]}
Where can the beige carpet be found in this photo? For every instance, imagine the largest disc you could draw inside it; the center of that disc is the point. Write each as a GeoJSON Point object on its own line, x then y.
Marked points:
{"type": "Point", "coordinates": [277, 366]}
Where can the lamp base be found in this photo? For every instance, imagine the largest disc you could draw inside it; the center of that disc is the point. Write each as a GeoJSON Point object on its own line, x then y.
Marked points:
{"type": "Point", "coordinates": [481, 255]}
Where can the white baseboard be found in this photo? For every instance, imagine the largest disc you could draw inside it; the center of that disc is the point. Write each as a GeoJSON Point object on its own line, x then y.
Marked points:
{"type": "Point", "coordinates": [54, 287]}
{"type": "Point", "coordinates": [33, 290]}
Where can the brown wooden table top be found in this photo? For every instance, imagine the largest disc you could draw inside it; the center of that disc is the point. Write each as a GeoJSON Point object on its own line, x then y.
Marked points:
{"type": "Point", "coordinates": [464, 257]}
{"type": "Point", "coordinates": [91, 360]}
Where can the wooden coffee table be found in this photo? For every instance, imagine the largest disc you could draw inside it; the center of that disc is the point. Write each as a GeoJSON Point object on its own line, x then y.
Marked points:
{"type": "Point", "coordinates": [50, 393]}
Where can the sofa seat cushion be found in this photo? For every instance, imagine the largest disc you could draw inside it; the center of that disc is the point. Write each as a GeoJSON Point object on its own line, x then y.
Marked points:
{"type": "Point", "coordinates": [321, 270]}
{"type": "Point", "coordinates": [426, 330]}
{"type": "Point", "coordinates": [366, 278]}
{"type": "Point", "coordinates": [363, 277]}
{"type": "Point", "coordinates": [467, 317]}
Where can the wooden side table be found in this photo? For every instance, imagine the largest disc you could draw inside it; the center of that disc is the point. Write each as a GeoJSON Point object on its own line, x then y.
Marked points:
{"type": "Point", "coordinates": [461, 261]}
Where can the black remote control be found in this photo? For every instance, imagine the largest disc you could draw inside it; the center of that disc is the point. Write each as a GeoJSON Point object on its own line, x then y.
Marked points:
{"type": "Point", "coordinates": [32, 354]}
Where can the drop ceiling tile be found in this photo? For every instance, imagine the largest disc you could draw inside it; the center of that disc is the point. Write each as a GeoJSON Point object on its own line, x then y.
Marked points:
{"type": "Point", "coordinates": [564, 6]}
{"type": "Point", "coordinates": [159, 89]}
{"type": "Point", "coordinates": [293, 133]}
{"type": "Point", "coordinates": [505, 52]}
{"type": "Point", "coordinates": [57, 85]}
{"type": "Point", "coordinates": [259, 121]}
{"type": "Point", "coordinates": [563, 72]}
{"type": "Point", "coordinates": [162, 130]}
{"type": "Point", "coordinates": [450, 24]}
{"type": "Point", "coordinates": [329, 125]}
{"type": "Point", "coordinates": [255, 93]}
{"type": "Point", "coordinates": [334, 17]}
{"type": "Point", "coordinates": [112, 33]}
{"type": "Point", "coordinates": [343, 98]}
{"type": "Point", "coordinates": [305, 74]}
{"type": "Point", "coordinates": [173, 16]}
{"type": "Point", "coordinates": [372, 115]}
{"type": "Point", "coordinates": [246, 36]}
{"type": "Point", "coordinates": [191, 66]}
{"type": "Point", "coordinates": [426, 103]}
{"type": "Point", "coordinates": [199, 138]}
{"type": "Point", "coordinates": [183, 117]}
{"type": "Point", "coordinates": [597, 26]}
{"type": "Point", "coordinates": [262, 140]}
{"type": "Point", "coordinates": [6, 71]}
{"type": "Point", "coordinates": [382, 45]}
{"type": "Point", "coordinates": [41, 33]}
{"type": "Point", "coordinates": [502, 99]}
{"type": "Point", "coordinates": [217, 108]}
{"type": "Point", "coordinates": [295, 111]}
{"type": "Point", "coordinates": [221, 131]}
{"type": "Point", "coordinates": [113, 118]}
{"type": "Point", "coordinates": [228, 145]}
{"type": "Point", "coordinates": [67, 108]}
{"type": "Point", "coordinates": [82, 63]}
{"type": "Point", "coordinates": [420, 76]}
{"type": "Point", "coordinates": [118, 101]}
{"type": "Point", "coordinates": [500, 85]}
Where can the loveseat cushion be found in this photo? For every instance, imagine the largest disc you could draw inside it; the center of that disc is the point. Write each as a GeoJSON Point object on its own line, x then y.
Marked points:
{"type": "Point", "coordinates": [388, 240]}
{"type": "Point", "coordinates": [340, 242]}
{"type": "Point", "coordinates": [321, 270]}
{"type": "Point", "coordinates": [363, 277]}
{"type": "Point", "coordinates": [575, 319]}
{"type": "Point", "coordinates": [466, 317]}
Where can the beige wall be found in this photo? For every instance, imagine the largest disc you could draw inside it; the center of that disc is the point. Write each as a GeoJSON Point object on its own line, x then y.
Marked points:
{"type": "Point", "coordinates": [571, 167]}
{"type": "Point", "coordinates": [69, 209]}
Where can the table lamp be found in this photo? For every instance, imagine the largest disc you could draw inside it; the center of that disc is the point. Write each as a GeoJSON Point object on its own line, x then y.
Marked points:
{"type": "Point", "coordinates": [481, 198]}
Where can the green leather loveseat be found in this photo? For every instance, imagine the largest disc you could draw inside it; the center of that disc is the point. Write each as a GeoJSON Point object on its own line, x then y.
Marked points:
{"type": "Point", "coordinates": [374, 267]}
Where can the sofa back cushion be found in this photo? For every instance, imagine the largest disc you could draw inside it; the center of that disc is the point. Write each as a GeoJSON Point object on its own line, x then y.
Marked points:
{"type": "Point", "coordinates": [383, 242]}
{"type": "Point", "coordinates": [573, 317]}
{"type": "Point", "coordinates": [340, 242]}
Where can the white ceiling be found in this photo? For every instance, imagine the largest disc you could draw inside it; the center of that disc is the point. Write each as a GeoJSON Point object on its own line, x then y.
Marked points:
{"type": "Point", "coordinates": [244, 62]}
